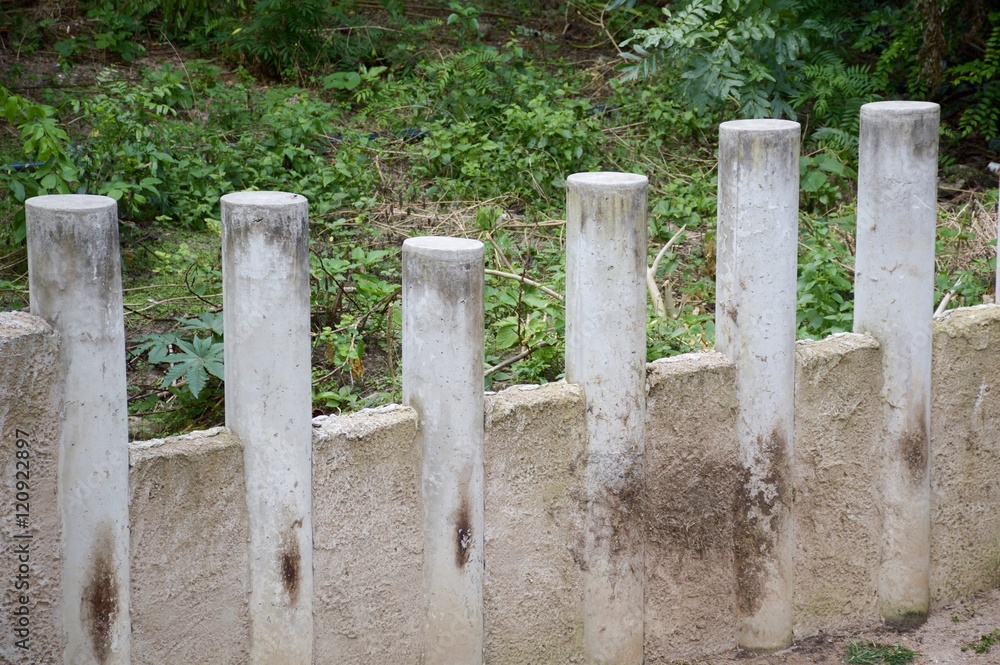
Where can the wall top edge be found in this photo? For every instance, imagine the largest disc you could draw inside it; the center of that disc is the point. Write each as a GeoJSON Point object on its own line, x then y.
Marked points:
{"type": "Point", "coordinates": [21, 324]}
{"type": "Point", "coordinates": [810, 352]}
{"type": "Point", "coordinates": [686, 363]}
{"type": "Point", "coordinates": [198, 442]}
{"type": "Point", "coordinates": [363, 423]}
{"type": "Point", "coordinates": [964, 321]}
{"type": "Point", "coordinates": [500, 404]}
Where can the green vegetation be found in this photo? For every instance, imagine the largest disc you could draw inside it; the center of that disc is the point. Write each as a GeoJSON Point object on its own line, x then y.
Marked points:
{"type": "Point", "coordinates": [461, 118]}
{"type": "Point", "coordinates": [984, 643]}
{"type": "Point", "coordinates": [870, 653]}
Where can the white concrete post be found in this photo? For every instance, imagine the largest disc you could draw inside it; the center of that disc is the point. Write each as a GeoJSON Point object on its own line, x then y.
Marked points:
{"type": "Point", "coordinates": [755, 327]}
{"type": "Point", "coordinates": [443, 360]}
{"type": "Point", "coordinates": [995, 169]}
{"type": "Point", "coordinates": [606, 355]}
{"type": "Point", "coordinates": [265, 273]}
{"type": "Point", "coordinates": [894, 303]}
{"type": "Point", "coordinates": [74, 278]}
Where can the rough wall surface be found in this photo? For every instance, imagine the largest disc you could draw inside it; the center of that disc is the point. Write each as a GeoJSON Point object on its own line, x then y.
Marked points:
{"type": "Point", "coordinates": [189, 550]}
{"type": "Point", "coordinates": [30, 417]}
{"type": "Point", "coordinates": [965, 454]}
{"type": "Point", "coordinates": [189, 523]}
{"type": "Point", "coordinates": [368, 538]}
{"type": "Point", "coordinates": [535, 453]}
{"type": "Point", "coordinates": [838, 527]}
{"type": "Point", "coordinates": [691, 486]}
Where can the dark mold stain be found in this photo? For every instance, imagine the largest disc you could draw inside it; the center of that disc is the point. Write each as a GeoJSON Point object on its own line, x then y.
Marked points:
{"type": "Point", "coordinates": [458, 283]}
{"type": "Point", "coordinates": [99, 604]}
{"type": "Point", "coordinates": [754, 523]}
{"type": "Point", "coordinates": [624, 500]}
{"type": "Point", "coordinates": [690, 514]}
{"type": "Point", "coordinates": [905, 622]}
{"type": "Point", "coordinates": [289, 564]}
{"type": "Point", "coordinates": [913, 446]}
{"type": "Point", "coordinates": [616, 511]}
{"type": "Point", "coordinates": [463, 532]}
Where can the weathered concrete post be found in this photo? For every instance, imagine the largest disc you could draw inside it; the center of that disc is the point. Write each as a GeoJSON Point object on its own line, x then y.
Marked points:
{"type": "Point", "coordinates": [606, 355]}
{"type": "Point", "coordinates": [74, 278]}
{"type": "Point", "coordinates": [755, 327]}
{"type": "Point", "coordinates": [995, 169]}
{"type": "Point", "coordinates": [894, 303]}
{"type": "Point", "coordinates": [265, 273]}
{"type": "Point", "coordinates": [443, 360]}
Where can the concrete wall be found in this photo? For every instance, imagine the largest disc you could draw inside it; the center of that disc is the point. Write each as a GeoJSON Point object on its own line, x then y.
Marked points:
{"type": "Point", "coordinates": [691, 480]}
{"type": "Point", "coordinates": [535, 453]}
{"type": "Point", "coordinates": [31, 411]}
{"type": "Point", "coordinates": [837, 518]}
{"type": "Point", "coordinates": [367, 520]}
{"type": "Point", "coordinates": [367, 509]}
{"type": "Point", "coordinates": [189, 523]}
{"type": "Point", "coordinates": [965, 454]}
{"type": "Point", "coordinates": [189, 533]}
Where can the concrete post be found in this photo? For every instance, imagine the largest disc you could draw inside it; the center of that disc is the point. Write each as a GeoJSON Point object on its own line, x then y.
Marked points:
{"type": "Point", "coordinates": [74, 278]}
{"type": "Point", "coordinates": [606, 355]}
{"type": "Point", "coordinates": [995, 169]}
{"type": "Point", "coordinates": [894, 303]}
{"type": "Point", "coordinates": [265, 273]}
{"type": "Point", "coordinates": [443, 360]}
{"type": "Point", "coordinates": [755, 327]}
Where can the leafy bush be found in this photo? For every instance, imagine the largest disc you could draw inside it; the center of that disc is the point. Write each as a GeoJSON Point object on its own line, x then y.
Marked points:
{"type": "Point", "coordinates": [107, 30]}
{"type": "Point", "coordinates": [744, 53]}
{"type": "Point", "coordinates": [191, 360]}
{"type": "Point", "coordinates": [175, 17]}
{"type": "Point", "coordinates": [283, 36]}
{"type": "Point", "coordinates": [46, 166]}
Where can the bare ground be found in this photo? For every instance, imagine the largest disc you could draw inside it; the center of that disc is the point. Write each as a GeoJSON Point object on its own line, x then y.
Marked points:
{"type": "Point", "coordinates": [940, 640]}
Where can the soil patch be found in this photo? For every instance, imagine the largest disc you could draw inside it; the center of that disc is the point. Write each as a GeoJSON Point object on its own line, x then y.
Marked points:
{"type": "Point", "coordinates": [940, 640]}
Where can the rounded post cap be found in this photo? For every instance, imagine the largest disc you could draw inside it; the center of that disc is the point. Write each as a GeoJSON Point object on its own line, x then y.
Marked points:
{"type": "Point", "coordinates": [607, 180]}
{"type": "Point", "coordinates": [761, 125]}
{"type": "Point", "coordinates": [70, 202]}
{"type": "Point", "coordinates": [265, 199]}
{"type": "Point", "coordinates": [445, 248]}
{"type": "Point", "coordinates": [899, 108]}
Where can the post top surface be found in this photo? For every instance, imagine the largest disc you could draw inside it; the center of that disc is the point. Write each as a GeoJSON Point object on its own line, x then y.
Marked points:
{"type": "Point", "coordinates": [70, 202]}
{"type": "Point", "coordinates": [444, 247]}
{"type": "Point", "coordinates": [899, 107]}
{"type": "Point", "coordinates": [267, 199]}
{"type": "Point", "coordinates": [760, 125]}
{"type": "Point", "coordinates": [607, 179]}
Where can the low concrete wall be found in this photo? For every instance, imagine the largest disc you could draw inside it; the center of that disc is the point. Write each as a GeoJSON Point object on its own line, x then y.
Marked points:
{"type": "Point", "coordinates": [31, 408]}
{"type": "Point", "coordinates": [189, 533]}
{"type": "Point", "coordinates": [535, 457]}
{"type": "Point", "coordinates": [691, 483]}
{"type": "Point", "coordinates": [189, 521]}
{"type": "Point", "coordinates": [368, 522]}
{"type": "Point", "coordinates": [965, 454]}
{"type": "Point", "coordinates": [836, 505]}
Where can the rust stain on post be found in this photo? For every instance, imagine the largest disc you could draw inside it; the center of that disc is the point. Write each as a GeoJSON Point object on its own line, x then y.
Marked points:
{"type": "Point", "coordinates": [913, 446]}
{"type": "Point", "coordinates": [463, 532]}
{"type": "Point", "coordinates": [99, 603]}
{"type": "Point", "coordinates": [290, 563]}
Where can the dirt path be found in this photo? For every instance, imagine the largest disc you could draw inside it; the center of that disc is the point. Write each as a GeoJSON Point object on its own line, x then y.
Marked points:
{"type": "Point", "coordinates": [940, 640]}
